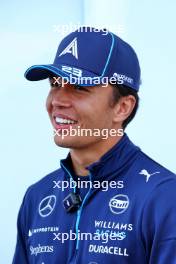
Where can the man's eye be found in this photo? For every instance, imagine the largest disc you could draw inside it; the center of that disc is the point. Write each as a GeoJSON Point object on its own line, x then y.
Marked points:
{"type": "Point", "coordinates": [81, 88]}
{"type": "Point", "coordinates": [55, 84]}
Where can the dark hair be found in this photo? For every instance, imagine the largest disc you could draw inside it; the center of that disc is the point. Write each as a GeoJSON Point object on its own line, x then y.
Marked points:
{"type": "Point", "coordinates": [120, 90]}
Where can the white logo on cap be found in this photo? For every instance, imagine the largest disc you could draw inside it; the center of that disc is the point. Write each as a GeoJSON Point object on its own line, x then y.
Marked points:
{"type": "Point", "coordinates": [71, 48]}
{"type": "Point", "coordinates": [72, 70]}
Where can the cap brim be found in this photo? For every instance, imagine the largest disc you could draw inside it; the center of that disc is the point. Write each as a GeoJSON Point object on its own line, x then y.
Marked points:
{"type": "Point", "coordinates": [41, 72]}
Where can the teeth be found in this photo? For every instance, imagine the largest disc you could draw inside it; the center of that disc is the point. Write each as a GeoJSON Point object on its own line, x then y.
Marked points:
{"type": "Point", "coordinates": [64, 121]}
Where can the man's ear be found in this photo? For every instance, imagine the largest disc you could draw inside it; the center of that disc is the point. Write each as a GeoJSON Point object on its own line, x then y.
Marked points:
{"type": "Point", "coordinates": [123, 108]}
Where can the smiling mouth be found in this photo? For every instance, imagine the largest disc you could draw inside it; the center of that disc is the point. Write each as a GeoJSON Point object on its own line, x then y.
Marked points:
{"type": "Point", "coordinates": [64, 121]}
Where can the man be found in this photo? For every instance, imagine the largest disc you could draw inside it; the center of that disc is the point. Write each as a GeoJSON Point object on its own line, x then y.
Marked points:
{"type": "Point", "coordinates": [125, 211]}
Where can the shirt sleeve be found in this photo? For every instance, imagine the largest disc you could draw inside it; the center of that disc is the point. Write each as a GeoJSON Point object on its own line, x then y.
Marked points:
{"type": "Point", "coordinates": [159, 224]}
{"type": "Point", "coordinates": [20, 255]}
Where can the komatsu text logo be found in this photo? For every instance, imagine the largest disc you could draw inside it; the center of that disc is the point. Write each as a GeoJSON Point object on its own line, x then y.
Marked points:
{"type": "Point", "coordinates": [119, 204]}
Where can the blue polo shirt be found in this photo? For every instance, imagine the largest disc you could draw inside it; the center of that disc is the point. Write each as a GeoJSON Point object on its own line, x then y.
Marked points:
{"type": "Point", "coordinates": [127, 216]}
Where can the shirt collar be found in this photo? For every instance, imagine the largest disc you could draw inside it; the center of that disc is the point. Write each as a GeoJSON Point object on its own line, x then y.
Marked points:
{"type": "Point", "coordinates": [112, 163]}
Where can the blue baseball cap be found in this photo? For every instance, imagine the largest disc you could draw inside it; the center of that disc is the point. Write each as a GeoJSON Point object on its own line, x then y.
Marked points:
{"type": "Point", "coordinates": [88, 56]}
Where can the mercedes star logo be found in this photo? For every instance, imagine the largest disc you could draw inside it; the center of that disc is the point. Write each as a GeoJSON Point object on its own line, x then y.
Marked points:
{"type": "Point", "coordinates": [47, 205]}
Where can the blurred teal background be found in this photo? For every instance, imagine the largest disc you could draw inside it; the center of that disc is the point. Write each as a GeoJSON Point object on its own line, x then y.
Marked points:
{"type": "Point", "coordinates": [30, 32]}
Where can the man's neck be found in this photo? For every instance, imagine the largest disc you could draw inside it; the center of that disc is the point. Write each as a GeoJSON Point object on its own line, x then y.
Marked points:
{"type": "Point", "coordinates": [81, 158]}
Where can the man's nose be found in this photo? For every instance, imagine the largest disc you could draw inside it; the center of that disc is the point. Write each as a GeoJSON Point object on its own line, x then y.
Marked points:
{"type": "Point", "coordinates": [61, 97]}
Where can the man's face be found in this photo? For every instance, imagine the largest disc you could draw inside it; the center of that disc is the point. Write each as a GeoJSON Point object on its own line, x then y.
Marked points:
{"type": "Point", "coordinates": [80, 108]}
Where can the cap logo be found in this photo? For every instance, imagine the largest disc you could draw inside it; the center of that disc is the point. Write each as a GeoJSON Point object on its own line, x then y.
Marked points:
{"type": "Point", "coordinates": [72, 70]}
{"type": "Point", "coordinates": [71, 48]}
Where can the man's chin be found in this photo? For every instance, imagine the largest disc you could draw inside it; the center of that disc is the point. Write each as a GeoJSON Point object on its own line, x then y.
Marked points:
{"type": "Point", "coordinates": [68, 142]}
{"type": "Point", "coordinates": [73, 142]}
{"type": "Point", "coordinates": [63, 142]}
